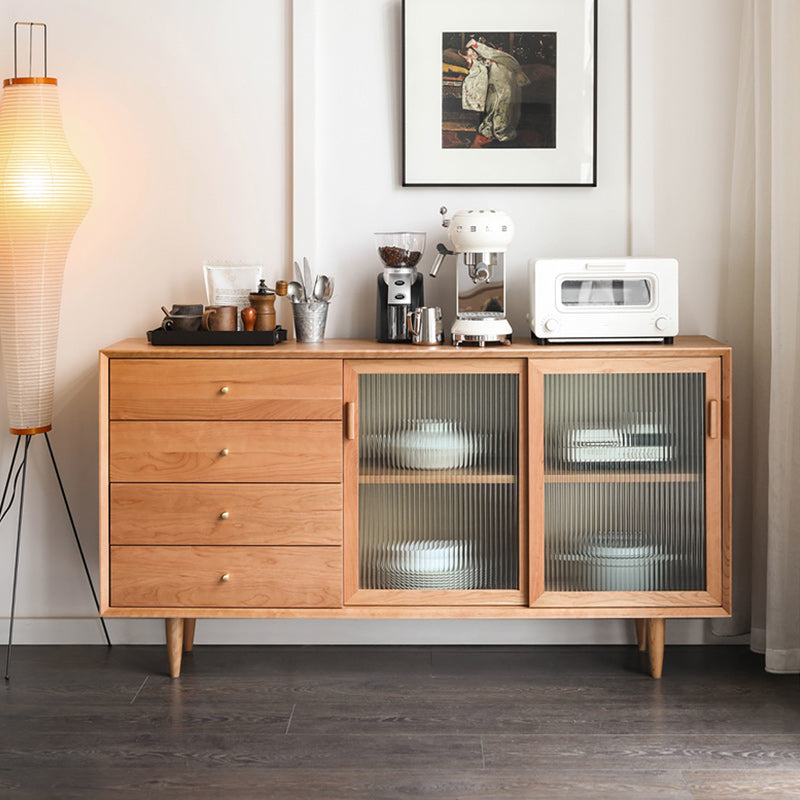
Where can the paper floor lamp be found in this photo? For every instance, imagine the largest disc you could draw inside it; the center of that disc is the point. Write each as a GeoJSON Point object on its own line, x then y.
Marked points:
{"type": "Point", "coordinates": [44, 195]}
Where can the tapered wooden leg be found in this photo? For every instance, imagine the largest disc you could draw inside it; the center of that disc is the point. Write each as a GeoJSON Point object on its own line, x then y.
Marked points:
{"type": "Point", "coordinates": [655, 645]}
{"type": "Point", "coordinates": [188, 634]}
{"type": "Point", "coordinates": [641, 634]}
{"type": "Point", "coordinates": [174, 645]}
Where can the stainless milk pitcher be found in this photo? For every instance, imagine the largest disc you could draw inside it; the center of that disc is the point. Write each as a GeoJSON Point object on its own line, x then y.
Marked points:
{"type": "Point", "coordinates": [425, 325]}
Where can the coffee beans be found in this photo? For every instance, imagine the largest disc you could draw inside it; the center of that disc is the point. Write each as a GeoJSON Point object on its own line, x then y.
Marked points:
{"type": "Point", "coordinates": [399, 257]}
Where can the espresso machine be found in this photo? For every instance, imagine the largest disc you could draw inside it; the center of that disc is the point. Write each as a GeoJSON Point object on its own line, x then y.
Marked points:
{"type": "Point", "coordinates": [480, 240]}
{"type": "Point", "coordinates": [399, 285]}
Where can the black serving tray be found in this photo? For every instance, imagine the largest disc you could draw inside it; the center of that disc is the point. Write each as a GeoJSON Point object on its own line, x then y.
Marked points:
{"type": "Point", "coordinates": [160, 337]}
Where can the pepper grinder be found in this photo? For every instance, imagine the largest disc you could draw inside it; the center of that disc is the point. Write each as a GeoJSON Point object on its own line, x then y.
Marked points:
{"type": "Point", "coordinates": [263, 301]}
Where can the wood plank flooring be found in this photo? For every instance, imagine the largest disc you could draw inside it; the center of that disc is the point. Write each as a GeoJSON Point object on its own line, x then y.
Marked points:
{"type": "Point", "coordinates": [368, 723]}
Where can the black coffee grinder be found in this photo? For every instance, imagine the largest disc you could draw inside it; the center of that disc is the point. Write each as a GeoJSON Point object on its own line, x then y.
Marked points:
{"type": "Point", "coordinates": [399, 285]}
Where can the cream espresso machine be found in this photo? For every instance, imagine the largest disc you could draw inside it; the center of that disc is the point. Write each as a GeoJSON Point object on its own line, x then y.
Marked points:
{"type": "Point", "coordinates": [479, 240]}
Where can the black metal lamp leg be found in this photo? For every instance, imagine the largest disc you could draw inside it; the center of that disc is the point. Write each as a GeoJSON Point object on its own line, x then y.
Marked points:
{"type": "Point", "coordinates": [16, 555]}
{"type": "Point", "coordinates": [77, 539]}
{"type": "Point", "coordinates": [3, 509]}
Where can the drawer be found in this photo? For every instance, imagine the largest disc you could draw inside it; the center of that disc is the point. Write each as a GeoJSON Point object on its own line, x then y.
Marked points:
{"type": "Point", "coordinates": [213, 452]}
{"type": "Point", "coordinates": [190, 513]}
{"type": "Point", "coordinates": [245, 389]}
{"type": "Point", "coordinates": [257, 577]}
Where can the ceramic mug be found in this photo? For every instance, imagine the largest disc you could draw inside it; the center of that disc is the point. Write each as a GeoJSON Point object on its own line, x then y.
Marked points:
{"type": "Point", "coordinates": [220, 318]}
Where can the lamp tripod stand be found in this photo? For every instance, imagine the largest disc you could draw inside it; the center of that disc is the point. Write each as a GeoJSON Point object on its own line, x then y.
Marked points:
{"type": "Point", "coordinates": [21, 472]}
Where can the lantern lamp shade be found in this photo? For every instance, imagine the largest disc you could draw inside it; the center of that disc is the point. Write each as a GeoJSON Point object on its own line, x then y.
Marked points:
{"type": "Point", "coordinates": [44, 195]}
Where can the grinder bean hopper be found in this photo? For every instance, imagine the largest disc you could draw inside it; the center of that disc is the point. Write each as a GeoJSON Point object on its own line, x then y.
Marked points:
{"type": "Point", "coordinates": [479, 240]}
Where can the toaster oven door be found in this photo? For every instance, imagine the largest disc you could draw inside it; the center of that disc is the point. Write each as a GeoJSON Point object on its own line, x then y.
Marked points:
{"type": "Point", "coordinates": [630, 292]}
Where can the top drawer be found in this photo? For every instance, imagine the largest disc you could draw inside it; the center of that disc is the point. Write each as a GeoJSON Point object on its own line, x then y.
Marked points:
{"type": "Point", "coordinates": [236, 389]}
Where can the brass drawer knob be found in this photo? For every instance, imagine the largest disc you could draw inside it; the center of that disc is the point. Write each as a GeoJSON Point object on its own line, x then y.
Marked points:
{"type": "Point", "coordinates": [224, 451]}
{"type": "Point", "coordinates": [226, 577]}
{"type": "Point", "coordinates": [224, 515]}
{"type": "Point", "coordinates": [224, 390]}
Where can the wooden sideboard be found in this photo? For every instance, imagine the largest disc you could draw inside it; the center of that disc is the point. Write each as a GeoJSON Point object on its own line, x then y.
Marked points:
{"type": "Point", "coordinates": [541, 482]}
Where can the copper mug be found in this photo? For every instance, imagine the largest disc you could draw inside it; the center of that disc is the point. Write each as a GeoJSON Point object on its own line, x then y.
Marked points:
{"type": "Point", "coordinates": [220, 318]}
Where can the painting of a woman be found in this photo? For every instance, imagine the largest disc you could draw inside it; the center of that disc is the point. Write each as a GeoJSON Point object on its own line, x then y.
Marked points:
{"type": "Point", "coordinates": [493, 86]}
{"type": "Point", "coordinates": [498, 90]}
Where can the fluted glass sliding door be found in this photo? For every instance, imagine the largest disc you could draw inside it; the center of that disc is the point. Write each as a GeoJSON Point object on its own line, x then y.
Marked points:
{"type": "Point", "coordinates": [437, 478]}
{"type": "Point", "coordinates": [629, 480]}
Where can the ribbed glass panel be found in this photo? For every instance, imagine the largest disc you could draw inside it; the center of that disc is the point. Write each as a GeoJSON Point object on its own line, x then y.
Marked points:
{"type": "Point", "coordinates": [624, 482]}
{"type": "Point", "coordinates": [438, 481]}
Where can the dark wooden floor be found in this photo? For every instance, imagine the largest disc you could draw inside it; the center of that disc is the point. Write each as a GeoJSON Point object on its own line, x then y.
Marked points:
{"type": "Point", "coordinates": [367, 723]}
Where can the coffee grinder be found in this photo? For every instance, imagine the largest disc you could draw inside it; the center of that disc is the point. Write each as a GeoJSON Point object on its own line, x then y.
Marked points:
{"type": "Point", "coordinates": [480, 240]}
{"type": "Point", "coordinates": [399, 285]}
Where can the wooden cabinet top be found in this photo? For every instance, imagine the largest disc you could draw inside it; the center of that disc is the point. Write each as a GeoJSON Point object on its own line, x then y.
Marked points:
{"type": "Point", "coordinates": [368, 348]}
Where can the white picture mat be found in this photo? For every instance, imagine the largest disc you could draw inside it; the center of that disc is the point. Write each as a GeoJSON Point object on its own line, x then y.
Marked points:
{"type": "Point", "coordinates": [570, 162]}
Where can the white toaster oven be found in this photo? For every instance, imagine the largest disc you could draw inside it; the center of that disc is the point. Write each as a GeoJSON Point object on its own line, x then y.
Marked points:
{"type": "Point", "coordinates": [603, 299]}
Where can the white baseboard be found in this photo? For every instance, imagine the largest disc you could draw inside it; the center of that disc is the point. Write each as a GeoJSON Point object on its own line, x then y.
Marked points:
{"type": "Point", "coordinates": [29, 630]}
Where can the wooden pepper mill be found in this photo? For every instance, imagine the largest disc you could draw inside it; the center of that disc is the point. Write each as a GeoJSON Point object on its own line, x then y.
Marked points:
{"type": "Point", "coordinates": [263, 301]}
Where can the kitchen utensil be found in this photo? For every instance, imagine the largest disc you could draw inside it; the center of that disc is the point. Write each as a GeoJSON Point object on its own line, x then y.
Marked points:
{"type": "Point", "coordinates": [328, 293]}
{"type": "Point", "coordinates": [321, 283]}
{"type": "Point", "coordinates": [308, 283]}
{"type": "Point", "coordinates": [295, 292]}
{"type": "Point", "coordinates": [425, 324]}
{"type": "Point", "coordinates": [263, 301]}
{"type": "Point", "coordinates": [298, 273]}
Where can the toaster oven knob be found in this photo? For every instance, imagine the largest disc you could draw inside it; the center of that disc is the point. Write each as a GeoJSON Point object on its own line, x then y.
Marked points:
{"type": "Point", "coordinates": [662, 323]}
{"type": "Point", "coordinates": [551, 325]}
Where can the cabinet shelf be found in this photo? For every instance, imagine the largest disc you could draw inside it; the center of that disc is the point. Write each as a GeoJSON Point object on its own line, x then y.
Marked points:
{"type": "Point", "coordinates": [469, 475]}
{"type": "Point", "coordinates": [622, 477]}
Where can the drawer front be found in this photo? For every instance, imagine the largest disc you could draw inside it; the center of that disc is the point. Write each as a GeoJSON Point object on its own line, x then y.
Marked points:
{"type": "Point", "coordinates": [244, 389]}
{"type": "Point", "coordinates": [213, 452]}
{"type": "Point", "coordinates": [257, 577]}
{"type": "Point", "coordinates": [254, 514]}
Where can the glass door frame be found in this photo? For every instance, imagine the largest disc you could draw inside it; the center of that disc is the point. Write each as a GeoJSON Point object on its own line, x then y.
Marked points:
{"type": "Point", "coordinates": [717, 593]}
{"type": "Point", "coordinates": [353, 594]}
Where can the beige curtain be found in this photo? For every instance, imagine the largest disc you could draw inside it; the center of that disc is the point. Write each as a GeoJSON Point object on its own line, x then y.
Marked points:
{"type": "Point", "coordinates": [763, 325]}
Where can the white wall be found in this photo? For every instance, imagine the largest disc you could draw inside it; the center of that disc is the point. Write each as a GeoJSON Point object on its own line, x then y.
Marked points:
{"type": "Point", "coordinates": [180, 110]}
{"type": "Point", "coordinates": [359, 132]}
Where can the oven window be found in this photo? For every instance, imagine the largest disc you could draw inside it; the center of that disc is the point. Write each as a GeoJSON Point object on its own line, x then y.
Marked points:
{"type": "Point", "coordinates": [630, 292]}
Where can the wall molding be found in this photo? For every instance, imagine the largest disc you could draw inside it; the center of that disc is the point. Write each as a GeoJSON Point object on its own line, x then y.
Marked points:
{"type": "Point", "coordinates": [642, 126]}
{"type": "Point", "coordinates": [304, 174]}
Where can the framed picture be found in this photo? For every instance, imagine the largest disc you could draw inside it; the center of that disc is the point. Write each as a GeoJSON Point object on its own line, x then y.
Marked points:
{"type": "Point", "coordinates": [499, 92]}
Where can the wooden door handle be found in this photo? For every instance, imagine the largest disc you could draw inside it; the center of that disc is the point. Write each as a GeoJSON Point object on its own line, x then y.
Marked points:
{"type": "Point", "coordinates": [350, 420]}
{"type": "Point", "coordinates": [713, 419]}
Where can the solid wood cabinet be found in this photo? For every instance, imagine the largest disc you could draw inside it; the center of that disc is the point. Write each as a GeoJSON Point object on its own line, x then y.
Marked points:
{"type": "Point", "coordinates": [352, 479]}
